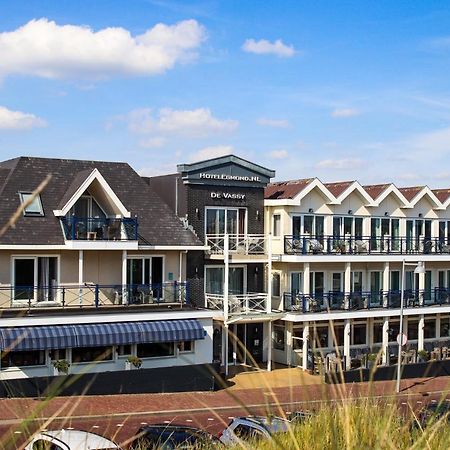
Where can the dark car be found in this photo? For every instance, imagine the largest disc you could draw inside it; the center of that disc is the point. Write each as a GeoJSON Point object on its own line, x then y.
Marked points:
{"type": "Point", "coordinates": [171, 436]}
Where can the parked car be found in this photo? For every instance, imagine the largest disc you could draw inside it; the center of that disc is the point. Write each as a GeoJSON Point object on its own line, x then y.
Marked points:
{"type": "Point", "coordinates": [253, 427]}
{"type": "Point", "coordinates": [69, 440]}
{"type": "Point", "coordinates": [171, 436]}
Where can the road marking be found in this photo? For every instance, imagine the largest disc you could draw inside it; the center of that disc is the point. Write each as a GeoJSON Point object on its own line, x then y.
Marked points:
{"type": "Point", "coordinates": [17, 432]}
{"type": "Point", "coordinates": [188, 420]}
{"type": "Point", "coordinates": [167, 421]}
{"type": "Point", "coordinates": [210, 418]}
{"type": "Point", "coordinates": [95, 426]}
{"type": "Point", "coordinates": [119, 425]}
{"type": "Point", "coordinates": [144, 423]}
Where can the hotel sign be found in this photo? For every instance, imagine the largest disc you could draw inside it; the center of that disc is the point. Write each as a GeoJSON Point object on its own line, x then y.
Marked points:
{"type": "Point", "coordinates": [227, 177]}
{"type": "Point", "coordinates": [227, 196]}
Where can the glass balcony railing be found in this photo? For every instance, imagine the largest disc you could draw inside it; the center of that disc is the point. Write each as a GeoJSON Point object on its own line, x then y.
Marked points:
{"type": "Point", "coordinates": [100, 228]}
{"type": "Point", "coordinates": [327, 245]}
{"type": "Point", "coordinates": [93, 295]}
{"type": "Point", "coordinates": [354, 301]}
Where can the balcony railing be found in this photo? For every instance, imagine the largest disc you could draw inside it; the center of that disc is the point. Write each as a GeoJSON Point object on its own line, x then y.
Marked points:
{"type": "Point", "coordinates": [327, 245]}
{"type": "Point", "coordinates": [93, 295]}
{"type": "Point", "coordinates": [248, 244]}
{"type": "Point", "coordinates": [251, 303]}
{"type": "Point", "coordinates": [354, 301]}
{"type": "Point", "coordinates": [100, 228]}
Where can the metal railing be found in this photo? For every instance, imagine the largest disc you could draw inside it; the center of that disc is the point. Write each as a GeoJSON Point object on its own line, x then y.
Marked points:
{"type": "Point", "coordinates": [245, 244]}
{"type": "Point", "coordinates": [93, 295]}
{"type": "Point", "coordinates": [253, 302]}
{"type": "Point", "coordinates": [354, 301]}
{"type": "Point", "coordinates": [100, 228]}
{"type": "Point", "coordinates": [360, 245]}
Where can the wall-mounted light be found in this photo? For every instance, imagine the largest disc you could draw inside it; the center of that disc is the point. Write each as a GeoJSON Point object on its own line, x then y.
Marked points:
{"type": "Point", "coordinates": [257, 214]}
{"type": "Point", "coordinates": [310, 210]}
{"type": "Point", "coordinates": [420, 215]}
{"type": "Point", "coordinates": [256, 269]}
{"type": "Point", "coordinates": [197, 213]}
{"type": "Point", "coordinates": [386, 214]}
{"type": "Point", "coordinates": [350, 212]}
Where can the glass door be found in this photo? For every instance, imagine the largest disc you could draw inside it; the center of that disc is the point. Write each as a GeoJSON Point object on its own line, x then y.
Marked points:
{"type": "Point", "coordinates": [376, 286]}
{"type": "Point", "coordinates": [47, 279]}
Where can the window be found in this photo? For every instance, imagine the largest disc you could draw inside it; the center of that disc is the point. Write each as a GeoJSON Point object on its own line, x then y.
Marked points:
{"type": "Point", "coordinates": [186, 346]}
{"type": "Point", "coordinates": [394, 330]}
{"type": "Point", "coordinates": [156, 350]}
{"type": "Point", "coordinates": [278, 336]}
{"type": "Point", "coordinates": [214, 279]}
{"type": "Point", "coordinates": [276, 225]}
{"type": "Point", "coordinates": [321, 336]}
{"type": "Point", "coordinates": [124, 350]}
{"type": "Point", "coordinates": [275, 284]}
{"type": "Point", "coordinates": [247, 432]}
{"type": "Point", "coordinates": [145, 271]}
{"type": "Point", "coordinates": [23, 359]}
{"type": "Point", "coordinates": [338, 336]}
{"type": "Point", "coordinates": [377, 332]}
{"type": "Point", "coordinates": [413, 329]}
{"type": "Point", "coordinates": [429, 329]}
{"type": "Point", "coordinates": [297, 334]}
{"type": "Point", "coordinates": [32, 204]}
{"type": "Point", "coordinates": [359, 334]}
{"type": "Point", "coordinates": [35, 278]}
{"type": "Point", "coordinates": [58, 354]}
{"type": "Point", "coordinates": [445, 326]}
{"type": "Point", "coordinates": [91, 354]}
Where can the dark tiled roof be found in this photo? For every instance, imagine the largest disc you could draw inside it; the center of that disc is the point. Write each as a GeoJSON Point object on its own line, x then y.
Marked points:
{"type": "Point", "coordinates": [77, 181]}
{"type": "Point", "coordinates": [410, 192]}
{"type": "Point", "coordinates": [442, 194]}
{"type": "Point", "coordinates": [157, 224]}
{"type": "Point", "coordinates": [375, 190]}
{"type": "Point", "coordinates": [285, 189]}
{"type": "Point", "coordinates": [338, 188]}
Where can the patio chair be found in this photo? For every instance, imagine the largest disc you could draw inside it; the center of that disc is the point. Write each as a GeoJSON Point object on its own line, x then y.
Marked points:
{"type": "Point", "coordinates": [315, 246]}
{"type": "Point", "coordinates": [361, 246]}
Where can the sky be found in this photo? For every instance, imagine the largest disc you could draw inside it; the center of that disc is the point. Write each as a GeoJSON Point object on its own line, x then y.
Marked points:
{"type": "Point", "coordinates": [337, 89]}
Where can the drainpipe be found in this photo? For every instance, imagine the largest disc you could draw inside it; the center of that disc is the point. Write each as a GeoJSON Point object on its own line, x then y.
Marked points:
{"type": "Point", "coordinates": [226, 257]}
{"type": "Point", "coordinates": [80, 276]}
{"type": "Point", "coordinates": [269, 302]}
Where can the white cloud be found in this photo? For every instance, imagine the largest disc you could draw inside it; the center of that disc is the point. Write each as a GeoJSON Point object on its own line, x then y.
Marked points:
{"type": "Point", "coordinates": [17, 120]}
{"type": "Point", "coordinates": [275, 123]}
{"type": "Point", "coordinates": [340, 164]}
{"type": "Point", "coordinates": [212, 152]}
{"type": "Point", "coordinates": [193, 123]}
{"type": "Point", "coordinates": [265, 47]}
{"type": "Point", "coordinates": [279, 154]}
{"type": "Point", "coordinates": [45, 49]}
{"type": "Point", "coordinates": [341, 113]}
{"type": "Point", "coordinates": [152, 142]}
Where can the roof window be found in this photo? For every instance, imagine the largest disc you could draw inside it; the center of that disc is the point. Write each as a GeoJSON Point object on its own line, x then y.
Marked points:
{"type": "Point", "coordinates": [32, 204]}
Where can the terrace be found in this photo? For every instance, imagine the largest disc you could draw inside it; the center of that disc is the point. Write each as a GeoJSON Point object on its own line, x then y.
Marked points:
{"type": "Point", "coordinates": [328, 245]}
{"type": "Point", "coordinates": [241, 304]}
{"type": "Point", "coordinates": [97, 296]}
{"type": "Point", "coordinates": [356, 301]}
{"type": "Point", "coordinates": [253, 245]}
{"type": "Point", "coordinates": [100, 228]}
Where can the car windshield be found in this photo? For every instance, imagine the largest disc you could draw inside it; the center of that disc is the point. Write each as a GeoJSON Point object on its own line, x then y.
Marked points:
{"type": "Point", "coordinates": [274, 424]}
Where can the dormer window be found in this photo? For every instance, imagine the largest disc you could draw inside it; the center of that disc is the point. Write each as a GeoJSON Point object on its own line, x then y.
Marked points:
{"type": "Point", "coordinates": [32, 204]}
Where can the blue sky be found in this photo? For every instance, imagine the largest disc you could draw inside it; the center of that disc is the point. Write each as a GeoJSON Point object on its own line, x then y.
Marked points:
{"type": "Point", "coordinates": [335, 89]}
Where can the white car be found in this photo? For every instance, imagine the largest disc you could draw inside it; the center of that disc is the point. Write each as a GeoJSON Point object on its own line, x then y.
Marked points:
{"type": "Point", "coordinates": [70, 440]}
{"type": "Point", "coordinates": [242, 428]}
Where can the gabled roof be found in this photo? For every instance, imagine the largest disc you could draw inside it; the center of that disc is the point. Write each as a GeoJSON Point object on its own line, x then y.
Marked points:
{"type": "Point", "coordinates": [80, 184]}
{"type": "Point", "coordinates": [380, 192]}
{"type": "Point", "coordinates": [349, 188]}
{"type": "Point", "coordinates": [442, 194]}
{"type": "Point", "coordinates": [410, 192]}
{"type": "Point", "coordinates": [157, 223]}
{"type": "Point", "coordinates": [338, 188]}
{"type": "Point", "coordinates": [375, 190]}
{"type": "Point", "coordinates": [285, 189]}
{"type": "Point", "coordinates": [416, 193]}
{"type": "Point", "coordinates": [227, 159]}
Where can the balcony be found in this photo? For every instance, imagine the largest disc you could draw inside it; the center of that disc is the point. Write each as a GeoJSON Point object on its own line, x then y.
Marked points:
{"type": "Point", "coordinates": [241, 304]}
{"type": "Point", "coordinates": [100, 229]}
{"type": "Point", "coordinates": [332, 245]}
{"type": "Point", "coordinates": [357, 301]}
{"type": "Point", "coordinates": [238, 244]}
{"type": "Point", "coordinates": [88, 296]}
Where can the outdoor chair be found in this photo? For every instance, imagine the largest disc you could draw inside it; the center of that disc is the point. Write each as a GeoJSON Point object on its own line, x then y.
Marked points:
{"type": "Point", "coordinates": [315, 246]}
{"type": "Point", "coordinates": [361, 246]}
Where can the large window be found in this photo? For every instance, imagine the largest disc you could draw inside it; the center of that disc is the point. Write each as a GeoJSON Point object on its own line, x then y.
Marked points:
{"type": "Point", "coordinates": [225, 220]}
{"type": "Point", "coordinates": [347, 226]}
{"type": "Point", "coordinates": [276, 225]}
{"type": "Point", "coordinates": [417, 232]}
{"type": "Point", "coordinates": [311, 225]}
{"type": "Point", "coordinates": [429, 328]}
{"type": "Point", "coordinates": [23, 359]}
{"type": "Point", "coordinates": [145, 270]}
{"type": "Point", "coordinates": [385, 234]}
{"type": "Point", "coordinates": [156, 350]}
{"type": "Point", "coordinates": [35, 278]}
{"type": "Point", "coordinates": [214, 279]}
{"type": "Point", "coordinates": [359, 334]}
{"type": "Point", "coordinates": [91, 354]}
{"type": "Point", "coordinates": [321, 336]}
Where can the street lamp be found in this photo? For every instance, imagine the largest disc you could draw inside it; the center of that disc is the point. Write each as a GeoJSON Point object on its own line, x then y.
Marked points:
{"type": "Point", "coordinates": [419, 269]}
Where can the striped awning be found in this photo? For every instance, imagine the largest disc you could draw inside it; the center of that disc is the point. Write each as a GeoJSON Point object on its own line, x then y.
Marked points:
{"type": "Point", "coordinates": [99, 334]}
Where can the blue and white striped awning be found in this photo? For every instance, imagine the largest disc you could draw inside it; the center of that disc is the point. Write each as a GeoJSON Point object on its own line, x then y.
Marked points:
{"type": "Point", "coordinates": [99, 334]}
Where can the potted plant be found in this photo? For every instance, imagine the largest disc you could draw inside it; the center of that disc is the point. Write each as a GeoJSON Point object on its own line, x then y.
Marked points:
{"type": "Point", "coordinates": [340, 246]}
{"type": "Point", "coordinates": [61, 367]}
{"type": "Point", "coordinates": [372, 360]}
{"type": "Point", "coordinates": [133, 361]}
{"type": "Point", "coordinates": [422, 356]}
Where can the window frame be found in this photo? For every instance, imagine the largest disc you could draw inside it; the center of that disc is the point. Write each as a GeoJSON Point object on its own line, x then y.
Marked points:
{"type": "Point", "coordinates": [37, 197]}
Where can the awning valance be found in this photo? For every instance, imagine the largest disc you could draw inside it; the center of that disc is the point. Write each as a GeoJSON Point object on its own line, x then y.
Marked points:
{"type": "Point", "coordinates": [99, 334]}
